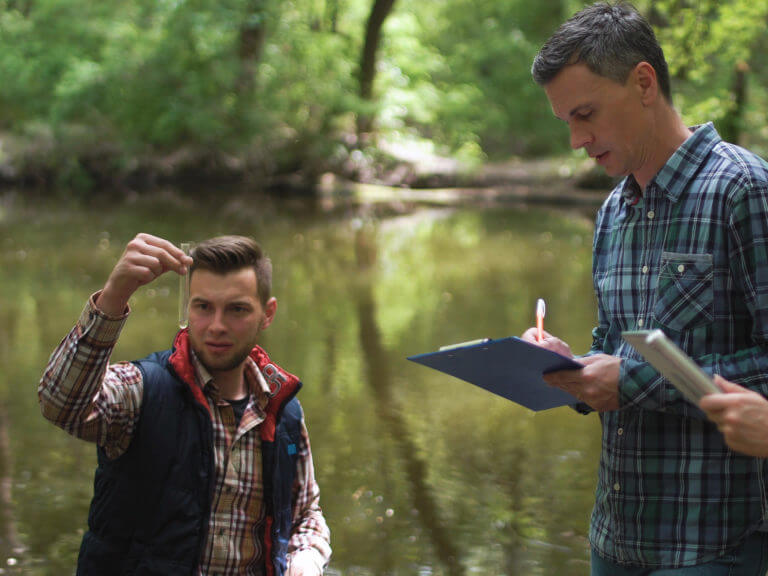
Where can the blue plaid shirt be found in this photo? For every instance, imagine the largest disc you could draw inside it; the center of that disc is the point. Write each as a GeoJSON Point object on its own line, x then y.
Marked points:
{"type": "Point", "coordinates": [690, 256]}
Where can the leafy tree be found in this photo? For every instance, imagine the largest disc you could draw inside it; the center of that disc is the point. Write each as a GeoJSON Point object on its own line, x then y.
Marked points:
{"type": "Point", "coordinates": [711, 46]}
{"type": "Point", "coordinates": [91, 90]}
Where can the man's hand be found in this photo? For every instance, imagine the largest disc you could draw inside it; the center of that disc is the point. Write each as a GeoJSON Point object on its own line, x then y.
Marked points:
{"type": "Point", "coordinates": [145, 258]}
{"type": "Point", "coordinates": [597, 384]}
{"type": "Point", "coordinates": [549, 342]}
{"type": "Point", "coordinates": [741, 415]}
{"type": "Point", "coordinates": [304, 563]}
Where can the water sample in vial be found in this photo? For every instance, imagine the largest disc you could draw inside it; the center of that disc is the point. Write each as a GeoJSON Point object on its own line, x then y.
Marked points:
{"type": "Point", "coordinates": [184, 289]}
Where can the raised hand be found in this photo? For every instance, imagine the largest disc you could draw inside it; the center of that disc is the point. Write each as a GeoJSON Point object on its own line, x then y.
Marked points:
{"type": "Point", "coordinates": [145, 258]}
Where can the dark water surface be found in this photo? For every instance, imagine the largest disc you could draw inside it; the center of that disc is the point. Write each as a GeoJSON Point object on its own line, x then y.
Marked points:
{"type": "Point", "coordinates": [420, 473]}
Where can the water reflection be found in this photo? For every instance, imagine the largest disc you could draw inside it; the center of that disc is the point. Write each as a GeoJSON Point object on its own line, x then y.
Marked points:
{"type": "Point", "coordinates": [420, 473]}
{"type": "Point", "coordinates": [379, 378]}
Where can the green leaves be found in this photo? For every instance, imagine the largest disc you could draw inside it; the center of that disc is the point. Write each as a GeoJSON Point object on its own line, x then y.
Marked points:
{"type": "Point", "coordinates": [712, 46]}
{"type": "Point", "coordinates": [275, 82]}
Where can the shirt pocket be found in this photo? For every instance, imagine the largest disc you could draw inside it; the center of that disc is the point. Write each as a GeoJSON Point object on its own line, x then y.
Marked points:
{"type": "Point", "coordinates": [685, 292]}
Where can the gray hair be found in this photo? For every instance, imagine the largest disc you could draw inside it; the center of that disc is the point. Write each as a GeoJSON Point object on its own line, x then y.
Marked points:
{"type": "Point", "coordinates": [611, 39]}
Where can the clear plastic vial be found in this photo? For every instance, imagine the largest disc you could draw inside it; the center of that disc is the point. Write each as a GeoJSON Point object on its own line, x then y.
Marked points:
{"type": "Point", "coordinates": [184, 289]}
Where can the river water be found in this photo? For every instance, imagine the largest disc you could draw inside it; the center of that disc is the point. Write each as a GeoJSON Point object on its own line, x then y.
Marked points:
{"type": "Point", "coordinates": [420, 473]}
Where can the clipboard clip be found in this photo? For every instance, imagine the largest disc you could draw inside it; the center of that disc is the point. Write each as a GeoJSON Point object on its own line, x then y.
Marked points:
{"type": "Point", "coordinates": [464, 344]}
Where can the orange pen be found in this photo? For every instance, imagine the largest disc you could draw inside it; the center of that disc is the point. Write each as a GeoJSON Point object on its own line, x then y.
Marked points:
{"type": "Point", "coordinates": [541, 310]}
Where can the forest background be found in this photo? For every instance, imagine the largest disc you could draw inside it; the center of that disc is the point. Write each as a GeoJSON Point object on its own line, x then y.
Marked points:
{"type": "Point", "coordinates": [171, 115]}
{"type": "Point", "coordinates": [276, 93]}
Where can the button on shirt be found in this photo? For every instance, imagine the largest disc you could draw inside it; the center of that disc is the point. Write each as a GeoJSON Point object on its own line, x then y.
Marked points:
{"type": "Point", "coordinates": [239, 490]}
{"type": "Point", "coordinates": [690, 256]}
{"type": "Point", "coordinates": [101, 403]}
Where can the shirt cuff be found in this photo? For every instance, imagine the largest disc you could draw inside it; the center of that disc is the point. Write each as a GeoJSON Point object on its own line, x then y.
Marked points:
{"type": "Point", "coordinates": [310, 554]}
{"type": "Point", "coordinates": [640, 385]}
{"type": "Point", "coordinates": [101, 329]}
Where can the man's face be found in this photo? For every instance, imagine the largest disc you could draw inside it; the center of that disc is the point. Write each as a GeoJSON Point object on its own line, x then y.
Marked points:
{"type": "Point", "coordinates": [225, 317]}
{"type": "Point", "coordinates": [605, 118]}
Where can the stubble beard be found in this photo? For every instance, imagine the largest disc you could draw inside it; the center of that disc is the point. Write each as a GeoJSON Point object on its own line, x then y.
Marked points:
{"type": "Point", "coordinates": [225, 363]}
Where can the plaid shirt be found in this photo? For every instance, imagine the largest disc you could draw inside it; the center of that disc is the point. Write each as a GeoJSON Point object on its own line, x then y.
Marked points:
{"type": "Point", "coordinates": [93, 400]}
{"type": "Point", "coordinates": [690, 256]}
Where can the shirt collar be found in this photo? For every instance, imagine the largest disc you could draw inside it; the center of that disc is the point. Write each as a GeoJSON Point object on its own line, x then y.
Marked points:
{"type": "Point", "coordinates": [674, 176]}
{"type": "Point", "coordinates": [254, 379]}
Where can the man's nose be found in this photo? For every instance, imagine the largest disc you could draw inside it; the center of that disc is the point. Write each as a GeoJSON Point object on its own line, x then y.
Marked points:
{"type": "Point", "coordinates": [217, 322]}
{"type": "Point", "coordinates": [579, 137]}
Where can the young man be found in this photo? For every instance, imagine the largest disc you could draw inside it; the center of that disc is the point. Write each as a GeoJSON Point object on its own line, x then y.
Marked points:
{"type": "Point", "coordinates": [680, 244]}
{"type": "Point", "coordinates": [204, 464]}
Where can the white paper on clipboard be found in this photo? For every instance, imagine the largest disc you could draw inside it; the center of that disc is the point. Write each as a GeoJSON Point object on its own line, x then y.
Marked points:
{"type": "Point", "coordinates": [674, 364]}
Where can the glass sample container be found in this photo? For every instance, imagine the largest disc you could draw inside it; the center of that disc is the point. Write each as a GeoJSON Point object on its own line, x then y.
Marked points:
{"type": "Point", "coordinates": [184, 289]}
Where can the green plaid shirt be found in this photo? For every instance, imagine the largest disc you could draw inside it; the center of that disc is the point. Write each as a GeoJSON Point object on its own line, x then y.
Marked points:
{"type": "Point", "coordinates": [689, 256]}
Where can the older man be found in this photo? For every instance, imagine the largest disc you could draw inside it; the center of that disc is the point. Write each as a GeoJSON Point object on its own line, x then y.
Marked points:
{"type": "Point", "coordinates": [680, 244]}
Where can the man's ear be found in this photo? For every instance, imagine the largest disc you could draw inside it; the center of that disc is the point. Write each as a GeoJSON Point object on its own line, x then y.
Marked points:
{"type": "Point", "coordinates": [269, 313]}
{"type": "Point", "coordinates": [644, 78]}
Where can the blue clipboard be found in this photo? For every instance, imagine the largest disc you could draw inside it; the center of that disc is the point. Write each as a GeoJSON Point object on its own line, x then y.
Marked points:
{"type": "Point", "coordinates": [509, 367]}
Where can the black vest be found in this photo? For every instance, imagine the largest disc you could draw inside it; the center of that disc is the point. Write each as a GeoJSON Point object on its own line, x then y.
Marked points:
{"type": "Point", "coordinates": [150, 509]}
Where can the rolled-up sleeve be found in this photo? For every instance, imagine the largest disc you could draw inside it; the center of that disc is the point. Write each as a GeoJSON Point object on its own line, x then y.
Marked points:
{"type": "Point", "coordinates": [83, 394]}
{"type": "Point", "coordinates": [310, 533]}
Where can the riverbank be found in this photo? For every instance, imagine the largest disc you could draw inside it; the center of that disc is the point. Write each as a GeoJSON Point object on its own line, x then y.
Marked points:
{"type": "Point", "coordinates": [395, 172]}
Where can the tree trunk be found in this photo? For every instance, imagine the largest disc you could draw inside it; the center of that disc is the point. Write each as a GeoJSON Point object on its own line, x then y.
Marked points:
{"type": "Point", "coordinates": [379, 13]}
{"type": "Point", "coordinates": [731, 126]}
{"type": "Point", "coordinates": [252, 35]}
{"type": "Point", "coordinates": [332, 15]}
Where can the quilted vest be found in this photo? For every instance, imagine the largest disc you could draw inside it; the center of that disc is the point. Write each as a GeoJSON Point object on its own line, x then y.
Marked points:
{"type": "Point", "coordinates": [151, 505]}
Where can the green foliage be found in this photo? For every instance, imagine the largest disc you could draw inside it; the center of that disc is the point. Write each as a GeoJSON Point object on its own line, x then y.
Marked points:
{"type": "Point", "coordinates": [101, 84]}
{"type": "Point", "coordinates": [460, 73]}
{"type": "Point", "coordinates": [159, 76]}
{"type": "Point", "coordinates": [705, 44]}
